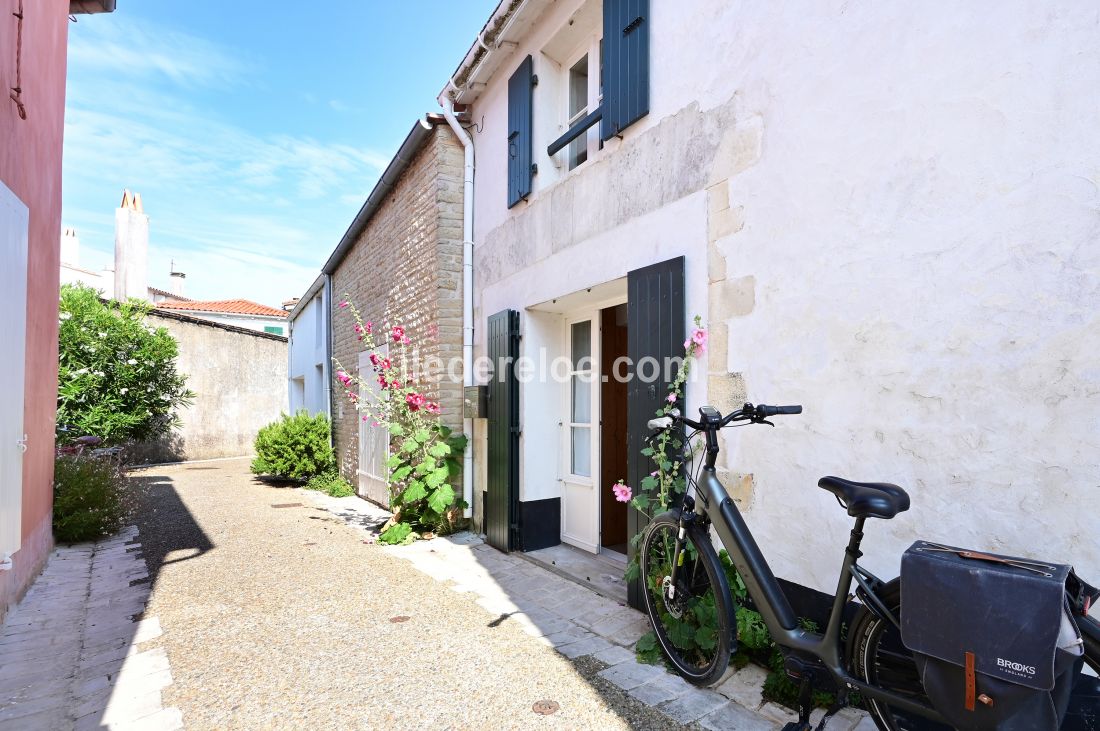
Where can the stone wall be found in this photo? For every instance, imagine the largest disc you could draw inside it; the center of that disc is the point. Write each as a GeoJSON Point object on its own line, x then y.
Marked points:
{"type": "Point", "coordinates": [406, 269]}
{"type": "Point", "coordinates": [239, 379]}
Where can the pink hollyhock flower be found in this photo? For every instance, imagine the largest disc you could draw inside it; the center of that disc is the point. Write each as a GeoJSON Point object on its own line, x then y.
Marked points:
{"type": "Point", "coordinates": [364, 417]}
{"type": "Point", "coordinates": [383, 382]}
{"type": "Point", "coordinates": [415, 401]}
{"type": "Point", "coordinates": [370, 327]}
{"type": "Point", "coordinates": [622, 492]}
{"type": "Point", "coordinates": [358, 328]}
{"type": "Point", "coordinates": [397, 333]}
{"type": "Point", "coordinates": [671, 398]}
{"type": "Point", "coordinates": [374, 359]}
{"type": "Point", "coordinates": [432, 408]}
{"type": "Point", "coordinates": [343, 304]}
{"type": "Point", "coordinates": [405, 340]}
{"type": "Point", "coordinates": [386, 364]}
{"type": "Point", "coordinates": [654, 473]}
{"type": "Point", "coordinates": [344, 378]}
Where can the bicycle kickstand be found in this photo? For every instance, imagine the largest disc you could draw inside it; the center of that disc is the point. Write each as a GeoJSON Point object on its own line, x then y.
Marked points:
{"type": "Point", "coordinates": [805, 704]}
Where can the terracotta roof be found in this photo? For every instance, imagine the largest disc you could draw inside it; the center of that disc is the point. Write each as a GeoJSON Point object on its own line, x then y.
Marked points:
{"type": "Point", "coordinates": [231, 307]}
{"type": "Point", "coordinates": [166, 293]}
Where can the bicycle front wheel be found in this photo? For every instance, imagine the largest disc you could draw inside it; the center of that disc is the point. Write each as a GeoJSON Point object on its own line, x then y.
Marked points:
{"type": "Point", "coordinates": [693, 616]}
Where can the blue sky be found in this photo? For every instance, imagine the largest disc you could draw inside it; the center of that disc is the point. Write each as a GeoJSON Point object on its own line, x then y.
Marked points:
{"type": "Point", "coordinates": [253, 130]}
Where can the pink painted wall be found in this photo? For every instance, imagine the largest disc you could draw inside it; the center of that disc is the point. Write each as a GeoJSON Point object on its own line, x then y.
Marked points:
{"type": "Point", "coordinates": [30, 165]}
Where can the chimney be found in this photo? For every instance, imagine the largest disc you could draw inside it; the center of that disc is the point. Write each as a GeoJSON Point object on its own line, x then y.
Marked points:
{"type": "Point", "coordinates": [131, 248]}
{"type": "Point", "coordinates": [70, 247]}
{"type": "Point", "coordinates": [177, 279]}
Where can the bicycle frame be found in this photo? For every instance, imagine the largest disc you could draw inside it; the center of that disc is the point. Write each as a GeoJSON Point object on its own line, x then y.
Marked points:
{"type": "Point", "coordinates": [713, 502]}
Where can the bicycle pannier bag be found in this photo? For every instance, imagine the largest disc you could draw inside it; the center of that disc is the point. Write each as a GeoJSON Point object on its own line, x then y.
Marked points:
{"type": "Point", "coordinates": [994, 640]}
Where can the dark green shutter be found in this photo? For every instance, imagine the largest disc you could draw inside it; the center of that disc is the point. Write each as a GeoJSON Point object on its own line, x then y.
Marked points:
{"type": "Point", "coordinates": [502, 493]}
{"type": "Point", "coordinates": [625, 64]}
{"type": "Point", "coordinates": [520, 112]}
{"type": "Point", "coordinates": [655, 329]}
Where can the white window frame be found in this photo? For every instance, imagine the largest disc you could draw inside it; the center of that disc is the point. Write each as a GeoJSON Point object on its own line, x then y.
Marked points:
{"type": "Point", "coordinates": [591, 48]}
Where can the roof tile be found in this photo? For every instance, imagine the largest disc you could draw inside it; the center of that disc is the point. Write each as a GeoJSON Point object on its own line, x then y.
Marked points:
{"type": "Point", "coordinates": [234, 307]}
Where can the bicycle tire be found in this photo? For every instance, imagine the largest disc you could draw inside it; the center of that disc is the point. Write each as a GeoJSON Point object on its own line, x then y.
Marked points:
{"type": "Point", "coordinates": [874, 644]}
{"type": "Point", "coordinates": [700, 667]}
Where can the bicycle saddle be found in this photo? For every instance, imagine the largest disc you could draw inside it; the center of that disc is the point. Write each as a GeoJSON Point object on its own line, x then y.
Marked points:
{"type": "Point", "coordinates": [867, 499]}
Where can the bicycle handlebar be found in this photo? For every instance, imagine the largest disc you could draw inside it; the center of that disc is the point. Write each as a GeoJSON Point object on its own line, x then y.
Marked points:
{"type": "Point", "coordinates": [756, 414]}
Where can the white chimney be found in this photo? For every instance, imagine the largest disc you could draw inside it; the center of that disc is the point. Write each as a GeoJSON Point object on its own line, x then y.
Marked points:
{"type": "Point", "coordinates": [177, 278]}
{"type": "Point", "coordinates": [70, 247]}
{"type": "Point", "coordinates": [131, 248]}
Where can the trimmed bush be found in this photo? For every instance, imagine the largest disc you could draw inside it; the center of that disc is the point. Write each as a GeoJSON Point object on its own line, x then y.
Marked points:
{"type": "Point", "coordinates": [331, 483]}
{"type": "Point", "coordinates": [294, 447]}
{"type": "Point", "coordinates": [88, 499]}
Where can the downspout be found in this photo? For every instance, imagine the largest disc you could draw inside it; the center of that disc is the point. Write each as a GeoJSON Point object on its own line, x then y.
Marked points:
{"type": "Point", "coordinates": [326, 366]}
{"type": "Point", "coordinates": [467, 294]}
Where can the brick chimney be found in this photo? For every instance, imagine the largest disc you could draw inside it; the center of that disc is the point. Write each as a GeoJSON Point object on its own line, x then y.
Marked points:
{"type": "Point", "coordinates": [131, 248]}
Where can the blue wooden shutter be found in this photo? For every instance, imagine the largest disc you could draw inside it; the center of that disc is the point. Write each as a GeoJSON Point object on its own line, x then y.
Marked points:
{"type": "Point", "coordinates": [656, 328]}
{"type": "Point", "coordinates": [520, 112]}
{"type": "Point", "coordinates": [502, 488]}
{"type": "Point", "coordinates": [625, 64]}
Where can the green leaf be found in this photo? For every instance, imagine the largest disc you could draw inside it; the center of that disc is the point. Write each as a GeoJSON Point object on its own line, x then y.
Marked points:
{"type": "Point", "coordinates": [442, 498]}
{"type": "Point", "coordinates": [401, 473]}
{"type": "Point", "coordinates": [439, 450]}
{"type": "Point", "coordinates": [415, 491]}
{"type": "Point", "coordinates": [394, 461]}
{"type": "Point", "coordinates": [647, 452]}
{"type": "Point", "coordinates": [682, 634]}
{"type": "Point", "coordinates": [444, 431]}
{"type": "Point", "coordinates": [396, 533]}
{"type": "Point", "coordinates": [437, 477]}
{"type": "Point", "coordinates": [649, 482]}
{"type": "Point", "coordinates": [396, 430]}
{"type": "Point", "coordinates": [706, 637]}
{"type": "Point", "coordinates": [421, 435]}
{"type": "Point", "coordinates": [409, 446]}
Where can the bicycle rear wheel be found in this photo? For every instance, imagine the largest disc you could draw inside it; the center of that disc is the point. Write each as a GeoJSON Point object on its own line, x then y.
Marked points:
{"type": "Point", "coordinates": [694, 619]}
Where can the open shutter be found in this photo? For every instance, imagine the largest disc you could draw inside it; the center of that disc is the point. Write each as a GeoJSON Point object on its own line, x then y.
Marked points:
{"type": "Point", "coordinates": [14, 233]}
{"type": "Point", "coordinates": [520, 111]}
{"type": "Point", "coordinates": [625, 64]}
{"type": "Point", "coordinates": [655, 329]}
{"type": "Point", "coordinates": [502, 493]}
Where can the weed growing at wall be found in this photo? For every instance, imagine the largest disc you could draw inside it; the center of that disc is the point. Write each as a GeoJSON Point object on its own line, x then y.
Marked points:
{"type": "Point", "coordinates": [294, 447]}
{"type": "Point", "coordinates": [88, 498]}
{"type": "Point", "coordinates": [331, 483]}
{"type": "Point", "coordinates": [117, 376]}
{"type": "Point", "coordinates": [425, 456]}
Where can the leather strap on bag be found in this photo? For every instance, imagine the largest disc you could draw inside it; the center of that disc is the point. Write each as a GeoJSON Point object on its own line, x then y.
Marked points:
{"type": "Point", "coordinates": [971, 689]}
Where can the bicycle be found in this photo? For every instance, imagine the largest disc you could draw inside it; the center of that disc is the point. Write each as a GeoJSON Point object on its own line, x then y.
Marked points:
{"type": "Point", "coordinates": [682, 575]}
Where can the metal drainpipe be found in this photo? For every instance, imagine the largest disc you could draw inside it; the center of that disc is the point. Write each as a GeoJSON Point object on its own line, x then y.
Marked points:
{"type": "Point", "coordinates": [467, 294]}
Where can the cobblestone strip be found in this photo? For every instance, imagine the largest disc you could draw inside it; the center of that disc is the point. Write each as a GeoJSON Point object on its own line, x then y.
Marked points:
{"type": "Point", "coordinates": [578, 622]}
{"type": "Point", "coordinates": [69, 655]}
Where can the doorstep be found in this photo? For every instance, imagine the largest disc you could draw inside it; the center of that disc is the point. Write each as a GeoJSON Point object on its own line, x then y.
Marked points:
{"type": "Point", "coordinates": [597, 572]}
{"type": "Point", "coordinates": [562, 612]}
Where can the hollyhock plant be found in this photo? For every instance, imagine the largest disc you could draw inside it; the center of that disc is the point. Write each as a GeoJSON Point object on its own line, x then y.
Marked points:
{"type": "Point", "coordinates": [622, 491]}
{"type": "Point", "coordinates": [424, 455]}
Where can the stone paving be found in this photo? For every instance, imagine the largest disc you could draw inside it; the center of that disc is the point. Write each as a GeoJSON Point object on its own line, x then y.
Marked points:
{"type": "Point", "coordinates": [578, 622]}
{"type": "Point", "coordinates": [70, 654]}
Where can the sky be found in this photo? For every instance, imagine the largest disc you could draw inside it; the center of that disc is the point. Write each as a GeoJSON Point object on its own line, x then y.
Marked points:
{"type": "Point", "coordinates": [253, 131]}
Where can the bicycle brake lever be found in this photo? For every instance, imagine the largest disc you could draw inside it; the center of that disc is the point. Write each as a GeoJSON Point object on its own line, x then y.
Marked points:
{"type": "Point", "coordinates": [765, 421]}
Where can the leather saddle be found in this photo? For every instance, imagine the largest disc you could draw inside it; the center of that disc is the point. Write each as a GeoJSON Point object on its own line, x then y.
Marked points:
{"type": "Point", "coordinates": [867, 499]}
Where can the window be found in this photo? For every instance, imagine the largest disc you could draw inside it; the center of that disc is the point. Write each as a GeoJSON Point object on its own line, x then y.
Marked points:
{"type": "Point", "coordinates": [578, 109]}
{"type": "Point", "coordinates": [273, 329]}
{"type": "Point", "coordinates": [580, 406]}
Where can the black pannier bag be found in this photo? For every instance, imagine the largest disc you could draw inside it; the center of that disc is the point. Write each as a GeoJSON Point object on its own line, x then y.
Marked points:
{"type": "Point", "coordinates": [994, 641]}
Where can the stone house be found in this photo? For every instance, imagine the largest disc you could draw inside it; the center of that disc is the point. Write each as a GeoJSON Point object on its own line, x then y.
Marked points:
{"type": "Point", "coordinates": [883, 214]}
{"type": "Point", "coordinates": [400, 262]}
{"type": "Point", "coordinates": [33, 37]}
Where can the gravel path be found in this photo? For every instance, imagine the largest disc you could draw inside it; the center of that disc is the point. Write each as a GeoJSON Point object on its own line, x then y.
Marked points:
{"type": "Point", "coordinates": [280, 617]}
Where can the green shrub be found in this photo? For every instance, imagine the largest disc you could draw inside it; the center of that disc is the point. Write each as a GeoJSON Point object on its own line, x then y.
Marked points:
{"type": "Point", "coordinates": [294, 447]}
{"type": "Point", "coordinates": [331, 483]}
{"type": "Point", "coordinates": [117, 376]}
{"type": "Point", "coordinates": [88, 499]}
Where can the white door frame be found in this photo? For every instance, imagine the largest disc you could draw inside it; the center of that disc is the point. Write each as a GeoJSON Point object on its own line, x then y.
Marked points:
{"type": "Point", "coordinates": [581, 495]}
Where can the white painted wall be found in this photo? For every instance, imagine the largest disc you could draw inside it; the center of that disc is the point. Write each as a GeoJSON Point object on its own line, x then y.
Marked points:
{"type": "Point", "coordinates": [249, 322]}
{"type": "Point", "coordinates": [308, 357]}
{"type": "Point", "coordinates": [920, 220]}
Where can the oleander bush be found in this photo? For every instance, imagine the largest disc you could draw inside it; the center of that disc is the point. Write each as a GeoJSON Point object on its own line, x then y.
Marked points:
{"type": "Point", "coordinates": [117, 375]}
{"type": "Point", "coordinates": [88, 500]}
{"type": "Point", "coordinates": [294, 447]}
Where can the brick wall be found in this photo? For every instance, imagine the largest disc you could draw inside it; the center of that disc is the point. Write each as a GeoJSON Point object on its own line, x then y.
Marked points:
{"type": "Point", "coordinates": [406, 269]}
